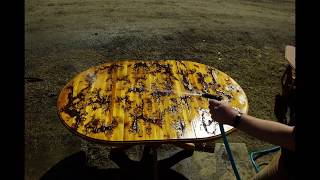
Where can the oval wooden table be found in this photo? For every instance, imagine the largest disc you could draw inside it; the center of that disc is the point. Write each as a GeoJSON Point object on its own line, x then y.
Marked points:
{"type": "Point", "coordinates": [149, 102]}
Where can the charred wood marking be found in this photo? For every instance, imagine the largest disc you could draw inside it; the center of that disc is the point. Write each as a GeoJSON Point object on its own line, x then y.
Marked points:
{"type": "Point", "coordinates": [141, 65]}
{"type": "Point", "coordinates": [180, 127]}
{"type": "Point", "coordinates": [160, 90]}
{"type": "Point", "coordinates": [206, 124]}
{"type": "Point", "coordinates": [136, 89]}
{"type": "Point", "coordinates": [96, 126]}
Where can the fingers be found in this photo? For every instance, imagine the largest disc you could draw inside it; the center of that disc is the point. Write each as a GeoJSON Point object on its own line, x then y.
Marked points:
{"type": "Point", "coordinates": [213, 105]}
{"type": "Point", "coordinates": [213, 102]}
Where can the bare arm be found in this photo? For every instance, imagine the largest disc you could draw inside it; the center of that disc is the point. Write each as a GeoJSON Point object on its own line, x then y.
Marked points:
{"type": "Point", "coordinates": [269, 131]}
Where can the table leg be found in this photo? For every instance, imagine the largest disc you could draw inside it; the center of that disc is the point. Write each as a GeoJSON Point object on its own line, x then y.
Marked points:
{"type": "Point", "coordinates": [179, 156]}
{"type": "Point", "coordinates": [155, 164]}
{"type": "Point", "coordinates": [119, 156]}
{"type": "Point", "coordinates": [149, 167]}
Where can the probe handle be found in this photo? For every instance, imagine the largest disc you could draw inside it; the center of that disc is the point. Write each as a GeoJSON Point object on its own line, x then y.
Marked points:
{"type": "Point", "coordinates": [211, 96]}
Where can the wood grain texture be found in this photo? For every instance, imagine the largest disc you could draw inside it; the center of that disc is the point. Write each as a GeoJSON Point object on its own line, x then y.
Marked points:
{"type": "Point", "coordinates": [146, 101]}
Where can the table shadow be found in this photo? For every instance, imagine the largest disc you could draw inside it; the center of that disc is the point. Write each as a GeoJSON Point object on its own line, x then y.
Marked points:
{"type": "Point", "coordinates": [74, 167]}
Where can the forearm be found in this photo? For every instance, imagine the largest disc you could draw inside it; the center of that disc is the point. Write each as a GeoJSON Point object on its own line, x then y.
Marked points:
{"type": "Point", "coordinates": [270, 131]}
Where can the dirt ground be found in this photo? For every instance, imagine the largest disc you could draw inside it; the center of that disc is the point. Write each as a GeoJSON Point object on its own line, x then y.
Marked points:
{"type": "Point", "coordinates": [243, 38]}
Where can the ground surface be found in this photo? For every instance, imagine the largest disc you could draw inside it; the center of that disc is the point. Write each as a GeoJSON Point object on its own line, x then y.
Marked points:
{"type": "Point", "coordinates": [243, 38]}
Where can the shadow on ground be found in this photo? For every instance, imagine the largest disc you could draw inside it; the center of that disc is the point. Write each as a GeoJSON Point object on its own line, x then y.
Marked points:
{"type": "Point", "coordinates": [75, 167]}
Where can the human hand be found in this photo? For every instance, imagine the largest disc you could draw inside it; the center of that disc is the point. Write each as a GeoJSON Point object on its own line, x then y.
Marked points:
{"type": "Point", "coordinates": [221, 112]}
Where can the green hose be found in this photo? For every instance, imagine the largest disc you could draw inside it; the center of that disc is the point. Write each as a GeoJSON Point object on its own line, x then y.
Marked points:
{"type": "Point", "coordinates": [257, 154]}
{"type": "Point", "coordinates": [226, 144]}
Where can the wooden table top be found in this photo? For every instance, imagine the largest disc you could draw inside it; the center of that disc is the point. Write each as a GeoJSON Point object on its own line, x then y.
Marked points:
{"type": "Point", "coordinates": [146, 101]}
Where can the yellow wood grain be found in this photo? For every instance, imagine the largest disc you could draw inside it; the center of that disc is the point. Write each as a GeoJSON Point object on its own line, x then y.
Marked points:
{"type": "Point", "coordinates": [141, 101]}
